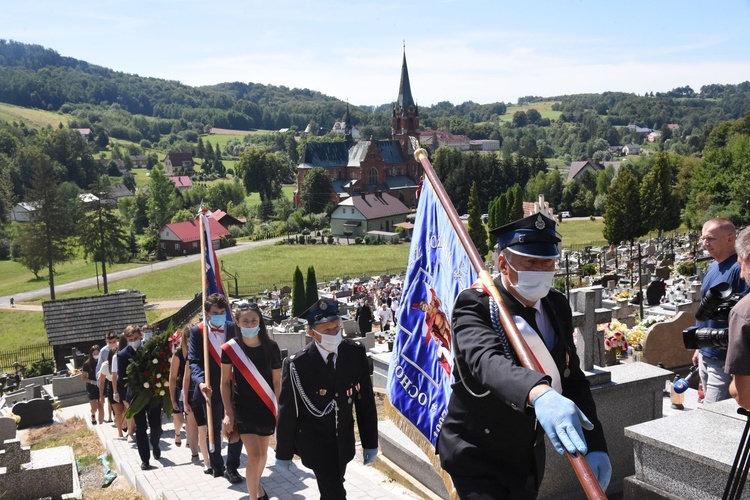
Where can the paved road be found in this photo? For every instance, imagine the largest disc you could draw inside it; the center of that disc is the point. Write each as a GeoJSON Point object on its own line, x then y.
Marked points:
{"type": "Point", "coordinates": [128, 273]}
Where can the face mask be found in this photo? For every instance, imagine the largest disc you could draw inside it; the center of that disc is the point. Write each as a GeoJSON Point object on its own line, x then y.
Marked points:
{"type": "Point", "coordinates": [135, 344]}
{"type": "Point", "coordinates": [533, 285]}
{"type": "Point", "coordinates": [147, 335]}
{"type": "Point", "coordinates": [96, 357]}
{"type": "Point", "coordinates": [329, 342]}
{"type": "Point", "coordinates": [217, 320]}
{"type": "Point", "coordinates": [250, 332]}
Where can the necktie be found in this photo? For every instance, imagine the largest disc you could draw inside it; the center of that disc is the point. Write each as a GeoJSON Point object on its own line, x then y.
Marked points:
{"type": "Point", "coordinates": [529, 314]}
{"type": "Point", "coordinates": [329, 363]}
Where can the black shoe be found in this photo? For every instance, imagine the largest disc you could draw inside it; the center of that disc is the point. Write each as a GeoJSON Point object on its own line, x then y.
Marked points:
{"type": "Point", "coordinates": [157, 453]}
{"type": "Point", "coordinates": [145, 466]}
{"type": "Point", "coordinates": [218, 472]}
{"type": "Point", "coordinates": [264, 497]}
{"type": "Point", "coordinates": [232, 476]}
{"type": "Point", "coordinates": [208, 470]}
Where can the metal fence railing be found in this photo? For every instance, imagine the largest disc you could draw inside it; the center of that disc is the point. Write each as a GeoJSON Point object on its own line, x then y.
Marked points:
{"type": "Point", "coordinates": [25, 356]}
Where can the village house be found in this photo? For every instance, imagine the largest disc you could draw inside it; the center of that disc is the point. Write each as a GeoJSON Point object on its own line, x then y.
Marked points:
{"type": "Point", "coordinates": [225, 219]}
{"type": "Point", "coordinates": [368, 166]}
{"type": "Point", "coordinates": [139, 161]}
{"type": "Point", "coordinates": [368, 212]}
{"type": "Point", "coordinates": [183, 238]}
{"type": "Point", "coordinates": [433, 139]}
{"type": "Point", "coordinates": [178, 164]}
{"type": "Point", "coordinates": [631, 149]}
{"type": "Point", "coordinates": [181, 182]}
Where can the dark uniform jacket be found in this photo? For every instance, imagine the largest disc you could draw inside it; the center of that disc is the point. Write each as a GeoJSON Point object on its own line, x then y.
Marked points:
{"type": "Point", "coordinates": [497, 435]}
{"type": "Point", "coordinates": [124, 357]}
{"type": "Point", "coordinates": [319, 440]}
{"type": "Point", "coordinates": [195, 358]}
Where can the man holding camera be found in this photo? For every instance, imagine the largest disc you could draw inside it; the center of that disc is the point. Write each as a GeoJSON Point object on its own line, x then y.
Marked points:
{"type": "Point", "coordinates": [718, 237]}
{"type": "Point", "coordinates": [738, 350]}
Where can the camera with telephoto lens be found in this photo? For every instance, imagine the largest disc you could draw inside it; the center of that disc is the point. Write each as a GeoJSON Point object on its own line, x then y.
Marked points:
{"type": "Point", "coordinates": [716, 304]}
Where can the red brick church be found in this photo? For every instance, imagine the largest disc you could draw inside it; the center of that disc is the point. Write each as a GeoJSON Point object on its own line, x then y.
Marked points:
{"type": "Point", "coordinates": [363, 167]}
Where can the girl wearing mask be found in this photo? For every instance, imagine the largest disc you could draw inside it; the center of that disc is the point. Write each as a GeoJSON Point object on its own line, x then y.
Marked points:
{"type": "Point", "coordinates": [106, 389]}
{"type": "Point", "coordinates": [88, 373]}
{"type": "Point", "coordinates": [253, 360]}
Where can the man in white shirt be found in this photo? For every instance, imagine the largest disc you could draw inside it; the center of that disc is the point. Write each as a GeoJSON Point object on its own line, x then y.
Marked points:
{"type": "Point", "coordinates": [385, 315]}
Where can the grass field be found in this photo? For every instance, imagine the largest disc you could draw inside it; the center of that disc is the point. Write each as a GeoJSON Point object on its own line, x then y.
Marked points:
{"type": "Point", "coordinates": [581, 232]}
{"type": "Point", "coordinates": [35, 118]}
{"type": "Point", "coordinates": [544, 108]}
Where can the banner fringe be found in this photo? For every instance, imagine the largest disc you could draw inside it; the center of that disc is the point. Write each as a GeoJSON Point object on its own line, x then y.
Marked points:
{"type": "Point", "coordinates": [415, 436]}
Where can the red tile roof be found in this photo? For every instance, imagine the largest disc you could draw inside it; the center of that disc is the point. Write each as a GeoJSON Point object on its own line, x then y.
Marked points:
{"type": "Point", "coordinates": [374, 207]}
{"type": "Point", "coordinates": [181, 181]}
{"type": "Point", "coordinates": [188, 231]}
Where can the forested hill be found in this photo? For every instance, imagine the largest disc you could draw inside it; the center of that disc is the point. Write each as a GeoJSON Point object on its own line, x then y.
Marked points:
{"type": "Point", "coordinates": [35, 76]}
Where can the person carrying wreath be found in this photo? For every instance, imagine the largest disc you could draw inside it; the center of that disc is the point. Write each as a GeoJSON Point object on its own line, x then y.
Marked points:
{"type": "Point", "coordinates": [253, 362]}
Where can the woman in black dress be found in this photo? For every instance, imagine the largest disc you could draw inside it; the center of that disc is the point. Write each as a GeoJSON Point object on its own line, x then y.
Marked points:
{"type": "Point", "coordinates": [251, 402]}
{"type": "Point", "coordinates": [88, 373]}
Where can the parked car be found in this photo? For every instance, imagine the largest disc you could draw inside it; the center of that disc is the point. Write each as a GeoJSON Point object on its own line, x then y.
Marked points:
{"type": "Point", "coordinates": [565, 215]}
{"type": "Point", "coordinates": [464, 217]}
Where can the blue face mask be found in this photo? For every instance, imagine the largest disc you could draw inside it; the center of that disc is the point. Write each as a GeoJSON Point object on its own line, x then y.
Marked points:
{"type": "Point", "coordinates": [217, 320]}
{"type": "Point", "coordinates": [250, 332]}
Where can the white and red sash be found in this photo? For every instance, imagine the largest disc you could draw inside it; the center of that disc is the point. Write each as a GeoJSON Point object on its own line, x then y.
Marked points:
{"type": "Point", "coordinates": [247, 368]}
{"type": "Point", "coordinates": [214, 343]}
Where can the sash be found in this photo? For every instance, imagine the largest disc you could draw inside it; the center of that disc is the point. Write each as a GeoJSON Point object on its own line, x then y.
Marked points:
{"type": "Point", "coordinates": [248, 370]}
{"type": "Point", "coordinates": [214, 343]}
{"type": "Point", "coordinates": [541, 353]}
{"type": "Point", "coordinates": [535, 343]}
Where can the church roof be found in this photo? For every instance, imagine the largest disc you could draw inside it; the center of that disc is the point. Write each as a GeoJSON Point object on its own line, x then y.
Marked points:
{"type": "Point", "coordinates": [376, 205]}
{"type": "Point", "coordinates": [326, 154]}
{"type": "Point", "coordinates": [405, 98]}
{"type": "Point", "coordinates": [399, 181]}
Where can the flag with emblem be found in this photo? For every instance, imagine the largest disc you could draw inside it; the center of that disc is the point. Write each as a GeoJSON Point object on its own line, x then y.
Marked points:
{"type": "Point", "coordinates": [419, 375]}
{"type": "Point", "coordinates": [213, 274]}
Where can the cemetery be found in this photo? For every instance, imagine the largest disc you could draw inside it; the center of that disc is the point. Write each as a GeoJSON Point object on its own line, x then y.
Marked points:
{"type": "Point", "coordinates": [629, 318]}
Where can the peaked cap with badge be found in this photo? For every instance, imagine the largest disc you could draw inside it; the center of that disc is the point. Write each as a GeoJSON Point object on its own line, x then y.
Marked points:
{"type": "Point", "coordinates": [322, 311]}
{"type": "Point", "coordinates": [532, 236]}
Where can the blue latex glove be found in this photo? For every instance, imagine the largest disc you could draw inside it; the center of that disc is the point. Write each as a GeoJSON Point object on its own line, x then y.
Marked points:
{"type": "Point", "coordinates": [369, 455]}
{"type": "Point", "coordinates": [562, 421]}
{"type": "Point", "coordinates": [601, 467]}
{"type": "Point", "coordinates": [283, 465]}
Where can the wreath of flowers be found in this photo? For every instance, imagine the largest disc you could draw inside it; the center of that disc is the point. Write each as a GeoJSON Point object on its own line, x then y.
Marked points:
{"type": "Point", "coordinates": [614, 337]}
{"type": "Point", "coordinates": [148, 375]}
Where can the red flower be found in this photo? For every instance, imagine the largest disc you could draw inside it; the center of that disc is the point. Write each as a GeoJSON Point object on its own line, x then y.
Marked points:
{"type": "Point", "coordinates": [147, 373]}
{"type": "Point", "coordinates": [162, 354]}
{"type": "Point", "coordinates": [164, 368]}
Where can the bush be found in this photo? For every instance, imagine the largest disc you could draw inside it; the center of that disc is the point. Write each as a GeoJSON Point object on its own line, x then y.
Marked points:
{"type": "Point", "coordinates": [330, 240]}
{"type": "Point", "coordinates": [313, 241]}
{"type": "Point", "coordinates": [358, 240]}
{"type": "Point", "coordinates": [560, 285]}
{"type": "Point", "coordinates": [687, 268]}
{"type": "Point", "coordinates": [588, 270]}
{"type": "Point", "coordinates": [367, 240]}
{"type": "Point", "coordinates": [41, 367]}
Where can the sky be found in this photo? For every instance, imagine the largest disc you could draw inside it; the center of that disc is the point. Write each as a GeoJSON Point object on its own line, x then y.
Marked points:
{"type": "Point", "coordinates": [456, 50]}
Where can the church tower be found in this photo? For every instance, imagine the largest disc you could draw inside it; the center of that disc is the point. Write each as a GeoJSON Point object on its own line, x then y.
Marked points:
{"type": "Point", "coordinates": [348, 127]}
{"type": "Point", "coordinates": [405, 120]}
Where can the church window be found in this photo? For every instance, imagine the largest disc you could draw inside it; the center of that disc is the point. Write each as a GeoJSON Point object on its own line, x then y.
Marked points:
{"type": "Point", "coordinates": [373, 175]}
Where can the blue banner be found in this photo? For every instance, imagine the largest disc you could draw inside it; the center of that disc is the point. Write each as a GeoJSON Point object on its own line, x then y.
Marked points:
{"type": "Point", "coordinates": [419, 375]}
{"type": "Point", "coordinates": [213, 274]}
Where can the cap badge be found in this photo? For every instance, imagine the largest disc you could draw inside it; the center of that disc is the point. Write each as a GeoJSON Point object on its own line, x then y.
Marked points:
{"type": "Point", "coordinates": [322, 305]}
{"type": "Point", "coordinates": [539, 223]}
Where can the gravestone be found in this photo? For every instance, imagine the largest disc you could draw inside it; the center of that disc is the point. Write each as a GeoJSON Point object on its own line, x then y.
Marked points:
{"type": "Point", "coordinates": [7, 430]}
{"type": "Point", "coordinates": [38, 474]}
{"type": "Point", "coordinates": [663, 343]}
{"type": "Point", "coordinates": [587, 314]}
{"type": "Point", "coordinates": [34, 412]}
{"type": "Point", "coordinates": [655, 291]}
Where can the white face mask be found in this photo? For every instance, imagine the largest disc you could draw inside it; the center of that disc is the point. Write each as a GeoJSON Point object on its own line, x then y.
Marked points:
{"type": "Point", "coordinates": [533, 285]}
{"type": "Point", "coordinates": [135, 344]}
{"type": "Point", "coordinates": [329, 342]}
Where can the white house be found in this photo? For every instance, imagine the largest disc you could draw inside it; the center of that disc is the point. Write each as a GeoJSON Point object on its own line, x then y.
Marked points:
{"type": "Point", "coordinates": [363, 213]}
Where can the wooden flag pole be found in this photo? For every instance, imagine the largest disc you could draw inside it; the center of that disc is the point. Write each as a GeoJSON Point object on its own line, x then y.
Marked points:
{"type": "Point", "coordinates": [523, 352]}
{"type": "Point", "coordinates": [206, 329]}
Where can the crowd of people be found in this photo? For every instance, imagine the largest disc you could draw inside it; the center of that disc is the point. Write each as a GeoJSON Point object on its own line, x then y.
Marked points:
{"type": "Point", "coordinates": [239, 391]}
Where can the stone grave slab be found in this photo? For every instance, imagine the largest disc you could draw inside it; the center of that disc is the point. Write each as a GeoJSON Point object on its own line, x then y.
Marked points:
{"type": "Point", "coordinates": [663, 342]}
{"type": "Point", "coordinates": [34, 412]}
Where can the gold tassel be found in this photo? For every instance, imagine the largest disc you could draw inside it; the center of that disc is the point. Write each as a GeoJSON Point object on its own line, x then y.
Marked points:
{"type": "Point", "coordinates": [411, 432]}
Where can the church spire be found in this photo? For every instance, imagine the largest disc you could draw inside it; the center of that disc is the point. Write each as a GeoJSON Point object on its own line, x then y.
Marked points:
{"type": "Point", "coordinates": [405, 98]}
{"type": "Point", "coordinates": [405, 120]}
{"type": "Point", "coordinates": [348, 126]}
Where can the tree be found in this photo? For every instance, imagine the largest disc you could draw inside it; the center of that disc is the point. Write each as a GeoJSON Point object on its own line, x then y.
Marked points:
{"type": "Point", "coordinates": [260, 172]}
{"type": "Point", "coordinates": [311, 289]}
{"type": "Point", "coordinates": [160, 209]}
{"type": "Point", "coordinates": [660, 205]}
{"type": "Point", "coordinates": [477, 232]}
{"type": "Point", "coordinates": [299, 299]}
{"type": "Point", "coordinates": [200, 149]}
{"type": "Point", "coordinates": [103, 234]}
{"type": "Point", "coordinates": [316, 190]}
{"type": "Point", "coordinates": [43, 241]}
{"type": "Point", "coordinates": [622, 215]}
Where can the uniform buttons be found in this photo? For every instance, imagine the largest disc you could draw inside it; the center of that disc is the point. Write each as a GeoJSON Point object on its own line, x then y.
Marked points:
{"type": "Point", "coordinates": [337, 394]}
{"type": "Point", "coordinates": [486, 431]}
{"type": "Point", "coordinates": [513, 405]}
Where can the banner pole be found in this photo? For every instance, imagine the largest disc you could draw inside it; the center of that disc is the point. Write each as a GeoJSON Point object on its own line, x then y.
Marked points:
{"type": "Point", "coordinates": [206, 329]}
{"type": "Point", "coordinates": [580, 465]}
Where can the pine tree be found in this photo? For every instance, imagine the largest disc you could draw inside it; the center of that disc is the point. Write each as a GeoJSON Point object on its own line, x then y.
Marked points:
{"type": "Point", "coordinates": [311, 290]}
{"type": "Point", "coordinates": [298, 293]}
{"type": "Point", "coordinates": [201, 149]}
{"type": "Point", "coordinates": [502, 210]}
{"type": "Point", "coordinates": [660, 205]}
{"type": "Point", "coordinates": [476, 229]}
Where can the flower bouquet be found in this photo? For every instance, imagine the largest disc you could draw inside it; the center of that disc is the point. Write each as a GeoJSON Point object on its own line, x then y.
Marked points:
{"type": "Point", "coordinates": [148, 376]}
{"type": "Point", "coordinates": [614, 337]}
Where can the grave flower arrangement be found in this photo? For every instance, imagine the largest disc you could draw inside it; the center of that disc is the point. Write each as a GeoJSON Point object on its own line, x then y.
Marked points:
{"type": "Point", "coordinates": [148, 375]}
{"type": "Point", "coordinates": [614, 337]}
